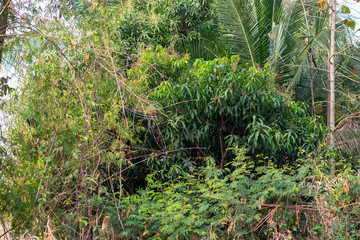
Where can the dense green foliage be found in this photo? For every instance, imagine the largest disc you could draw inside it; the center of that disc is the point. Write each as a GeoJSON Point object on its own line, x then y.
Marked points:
{"type": "Point", "coordinates": [236, 203]}
{"type": "Point", "coordinates": [216, 104]}
{"type": "Point", "coordinates": [133, 112]}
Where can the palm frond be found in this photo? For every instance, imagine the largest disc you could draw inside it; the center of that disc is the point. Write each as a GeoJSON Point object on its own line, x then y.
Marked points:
{"type": "Point", "coordinates": [283, 41]}
{"type": "Point", "coordinates": [247, 25]}
{"type": "Point", "coordinates": [312, 40]}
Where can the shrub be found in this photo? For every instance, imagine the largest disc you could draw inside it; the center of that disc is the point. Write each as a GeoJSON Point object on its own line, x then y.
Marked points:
{"type": "Point", "coordinates": [205, 110]}
{"type": "Point", "coordinates": [243, 201]}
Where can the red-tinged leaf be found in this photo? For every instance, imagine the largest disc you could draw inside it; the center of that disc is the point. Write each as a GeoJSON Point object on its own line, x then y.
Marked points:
{"type": "Point", "coordinates": [354, 69]}
{"type": "Point", "coordinates": [350, 24]}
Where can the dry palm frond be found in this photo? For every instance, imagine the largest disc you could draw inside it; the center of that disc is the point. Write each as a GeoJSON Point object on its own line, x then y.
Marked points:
{"type": "Point", "coordinates": [347, 133]}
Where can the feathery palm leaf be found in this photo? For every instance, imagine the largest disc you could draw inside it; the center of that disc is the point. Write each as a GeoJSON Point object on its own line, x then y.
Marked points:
{"type": "Point", "coordinates": [247, 25]}
{"type": "Point", "coordinates": [317, 36]}
{"type": "Point", "coordinates": [284, 40]}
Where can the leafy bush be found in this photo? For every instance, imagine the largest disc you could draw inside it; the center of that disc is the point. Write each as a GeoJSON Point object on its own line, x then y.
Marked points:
{"type": "Point", "coordinates": [245, 202]}
{"type": "Point", "coordinates": [205, 110]}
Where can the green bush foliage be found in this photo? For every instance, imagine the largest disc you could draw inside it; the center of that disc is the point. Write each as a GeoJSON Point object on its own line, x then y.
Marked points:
{"type": "Point", "coordinates": [203, 111]}
{"type": "Point", "coordinates": [243, 201]}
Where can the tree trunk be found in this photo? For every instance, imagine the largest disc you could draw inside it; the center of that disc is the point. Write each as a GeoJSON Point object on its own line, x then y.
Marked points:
{"type": "Point", "coordinates": [3, 24]}
{"type": "Point", "coordinates": [331, 82]}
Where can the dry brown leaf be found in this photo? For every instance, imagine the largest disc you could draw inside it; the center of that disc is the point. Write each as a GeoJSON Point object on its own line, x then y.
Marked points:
{"type": "Point", "coordinates": [354, 69]}
{"type": "Point", "coordinates": [346, 187]}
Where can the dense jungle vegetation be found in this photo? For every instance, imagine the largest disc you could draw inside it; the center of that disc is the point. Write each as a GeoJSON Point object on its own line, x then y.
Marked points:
{"type": "Point", "coordinates": [181, 119]}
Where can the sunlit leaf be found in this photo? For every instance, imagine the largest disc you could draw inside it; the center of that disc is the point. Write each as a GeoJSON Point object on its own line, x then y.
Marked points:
{"type": "Point", "coordinates": [345, 9]}
{"type": "Point", "coordinates": [351, 24]}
